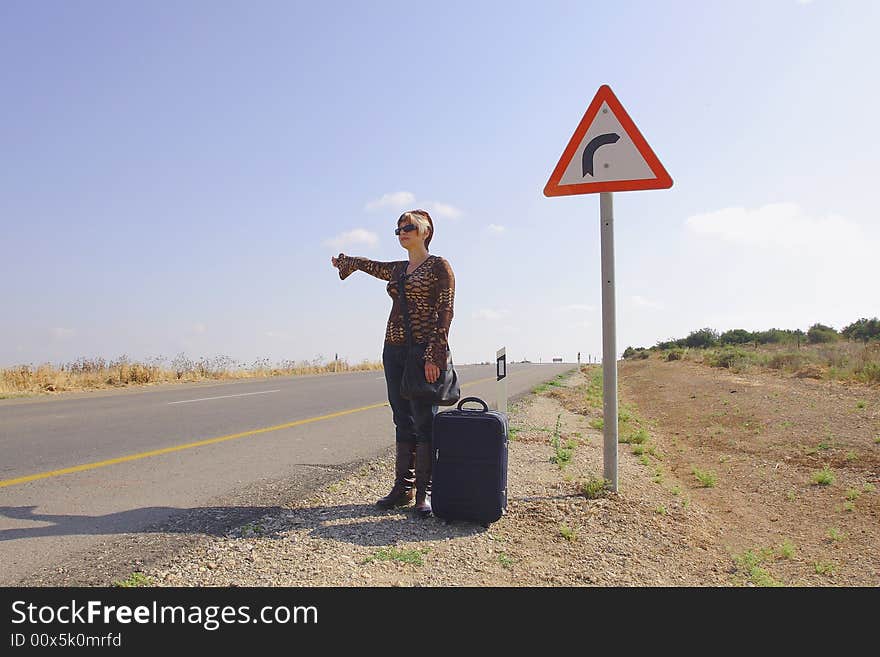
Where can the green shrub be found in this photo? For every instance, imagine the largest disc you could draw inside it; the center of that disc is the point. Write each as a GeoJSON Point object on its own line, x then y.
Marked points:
{"type": "Point", "coordinates": [862, 329]}
{"type": "Point", "coordinates": [727, 357]}
{"type": "Point", "coordinates": [636, 354]}
{"type": "Point", "coordinates": [703, 338]}
{"type": "Point", "coordinates": [818, 333]}
{"type": "Point", "coordinates": [670, 344]}
{"type": "Point", "coordinates": [779, 336]}
{"type": "Point", "coordinates": [674, 354]}
{"type": "Point", "coordinates": [869, 373]}
{"type": "Point", "coordinates": [736, 336]}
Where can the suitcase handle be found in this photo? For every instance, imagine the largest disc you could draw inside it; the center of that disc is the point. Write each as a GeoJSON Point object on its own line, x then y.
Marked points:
{"type": "Point", "coordinates": [473, 399]}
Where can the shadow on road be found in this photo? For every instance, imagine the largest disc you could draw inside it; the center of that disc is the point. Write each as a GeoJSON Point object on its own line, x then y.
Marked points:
{"type": "Point", "coordinates": [214, 521]}
{"type": "Point", "coordinates": [361, 524]}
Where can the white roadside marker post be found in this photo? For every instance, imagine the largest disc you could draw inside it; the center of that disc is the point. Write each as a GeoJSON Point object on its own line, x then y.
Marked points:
{"type": "Point", "coordinates": [501, 374]}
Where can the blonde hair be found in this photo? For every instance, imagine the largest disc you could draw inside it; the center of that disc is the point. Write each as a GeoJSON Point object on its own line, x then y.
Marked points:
{"type": "Point", "coordinates": [420, 220]}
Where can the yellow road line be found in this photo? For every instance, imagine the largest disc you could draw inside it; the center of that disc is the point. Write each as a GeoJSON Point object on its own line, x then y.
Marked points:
{"type": "Point", "coordinates": [201, 443]}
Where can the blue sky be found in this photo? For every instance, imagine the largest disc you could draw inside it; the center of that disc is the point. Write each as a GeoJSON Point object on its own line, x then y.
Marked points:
{"type": "Point", "coordinates": [176, 176]}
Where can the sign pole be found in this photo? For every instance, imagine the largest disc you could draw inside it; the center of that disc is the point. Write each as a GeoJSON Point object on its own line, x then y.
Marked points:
{"type": "Point", "coordinates": [609, 339]}
{"type": "Point", "coordinates": [607, 154]}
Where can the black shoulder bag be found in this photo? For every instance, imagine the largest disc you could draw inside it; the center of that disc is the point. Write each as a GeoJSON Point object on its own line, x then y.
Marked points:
{"type": "Point", "coordinates": [445, 391]}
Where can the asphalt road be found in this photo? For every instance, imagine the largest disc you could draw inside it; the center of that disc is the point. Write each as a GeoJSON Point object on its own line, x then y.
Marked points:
{"type": "Point", "coordinates": [79, 469]}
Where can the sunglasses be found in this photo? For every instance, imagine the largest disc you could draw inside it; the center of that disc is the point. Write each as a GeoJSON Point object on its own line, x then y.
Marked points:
{"type": "Point", "coordinates": [408, 228]}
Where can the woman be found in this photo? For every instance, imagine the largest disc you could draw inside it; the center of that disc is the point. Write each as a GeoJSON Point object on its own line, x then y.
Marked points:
{"type": "Point", "coordinates": [429, 286]}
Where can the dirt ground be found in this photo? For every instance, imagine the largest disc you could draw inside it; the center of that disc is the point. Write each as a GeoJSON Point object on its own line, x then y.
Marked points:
{"type": "Point", "coordinates": [766, 436]}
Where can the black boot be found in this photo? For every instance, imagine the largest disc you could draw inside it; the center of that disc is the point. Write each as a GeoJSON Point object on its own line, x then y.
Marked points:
{"type": "Point", "coordinates": [423, 479]}
{"type": "Point", "coordinates": [404, 477]}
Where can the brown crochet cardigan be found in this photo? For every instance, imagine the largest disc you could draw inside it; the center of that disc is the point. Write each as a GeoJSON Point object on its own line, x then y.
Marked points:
{"type": "Point", "coordinates": [430, 293]}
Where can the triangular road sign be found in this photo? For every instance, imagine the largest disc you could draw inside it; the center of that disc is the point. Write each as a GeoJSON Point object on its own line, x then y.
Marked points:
{"type": "Point", "coordinates": [606, 153]}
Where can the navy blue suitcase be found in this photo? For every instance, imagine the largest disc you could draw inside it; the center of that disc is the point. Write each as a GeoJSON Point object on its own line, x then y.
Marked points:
{"type": "Point", "coordinates": [469, 464]}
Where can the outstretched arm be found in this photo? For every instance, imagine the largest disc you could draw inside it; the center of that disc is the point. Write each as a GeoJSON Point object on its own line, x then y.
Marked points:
{"type": "Point", "coordinates": [438, 343]}
{"type": "Point", "coordinates": [348, 264]}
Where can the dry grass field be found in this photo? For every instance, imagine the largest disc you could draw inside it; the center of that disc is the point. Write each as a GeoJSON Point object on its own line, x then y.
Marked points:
{"type": "Point", "coordinates": [845, 361]}
{"type": "Point", "coordinates": [97, 373]}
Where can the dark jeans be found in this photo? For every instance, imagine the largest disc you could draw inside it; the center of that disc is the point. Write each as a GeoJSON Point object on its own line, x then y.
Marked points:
{"type": "Point", "coordinates": [414, 420]}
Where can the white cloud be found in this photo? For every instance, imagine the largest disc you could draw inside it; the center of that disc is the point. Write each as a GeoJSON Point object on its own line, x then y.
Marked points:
{"type": "Point", "coordinates": [781, 225]}
{"type": "Point", "coordinates": [495, 228]}
{"type": "Point", "coordinates": [491, 314]}
{"type": "Point", "coordinates": [352, 237]}
{"type": "Point", "coordinates": [577, 307]}
{"type": "Point", "coordinates": [445, 210]}
{"type": "Point", "coordinates": [60, 333]}
{"type": "Point", "coordinates": [646, 303]}
{"type": "Point", "coordinates": [775, 265]}
{"type": "Point", "coordinates": [198, 328]}
{"type": "Point", "coordinates": [407, 201]}
{"type": "Point", "coordinates": [393, 200]}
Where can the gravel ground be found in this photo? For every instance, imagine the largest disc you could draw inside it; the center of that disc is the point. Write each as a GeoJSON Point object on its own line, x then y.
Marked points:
{"type": "Point", "coordinates": [551, 535]}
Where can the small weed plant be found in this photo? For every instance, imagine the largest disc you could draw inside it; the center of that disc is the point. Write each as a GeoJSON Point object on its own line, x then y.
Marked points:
{"type": "Point", "coordinates": [836, 535]}
{"type": "Point", "coordinates": [824, 568]}
{"type": "Point", "coordinates": [134, 580]}
{"type": "Point", "coordinates": [823, 477]}
{"type": "Point", "coordinates": [749, 563]}
{"type": "Point", "coordinates": [787, 549]}
{"type": "Point", "coordinates": [707, 478]}
{"type": "Point", "coordinates": [567, 533]}
{"type": "Point", "coordinates": [413, 557]}
{"type": "Point", "coordinates": [594, 487]}
{"type": "Point", "coordinates": [506, 560]}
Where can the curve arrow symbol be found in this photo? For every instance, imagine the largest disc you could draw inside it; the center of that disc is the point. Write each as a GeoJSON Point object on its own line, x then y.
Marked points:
{"type": "Point", "coordinates": [592, 147]}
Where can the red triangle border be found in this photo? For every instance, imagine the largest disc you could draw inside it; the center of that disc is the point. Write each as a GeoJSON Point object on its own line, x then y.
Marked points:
{"type": "Point", "coordinates": [662, 179]}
